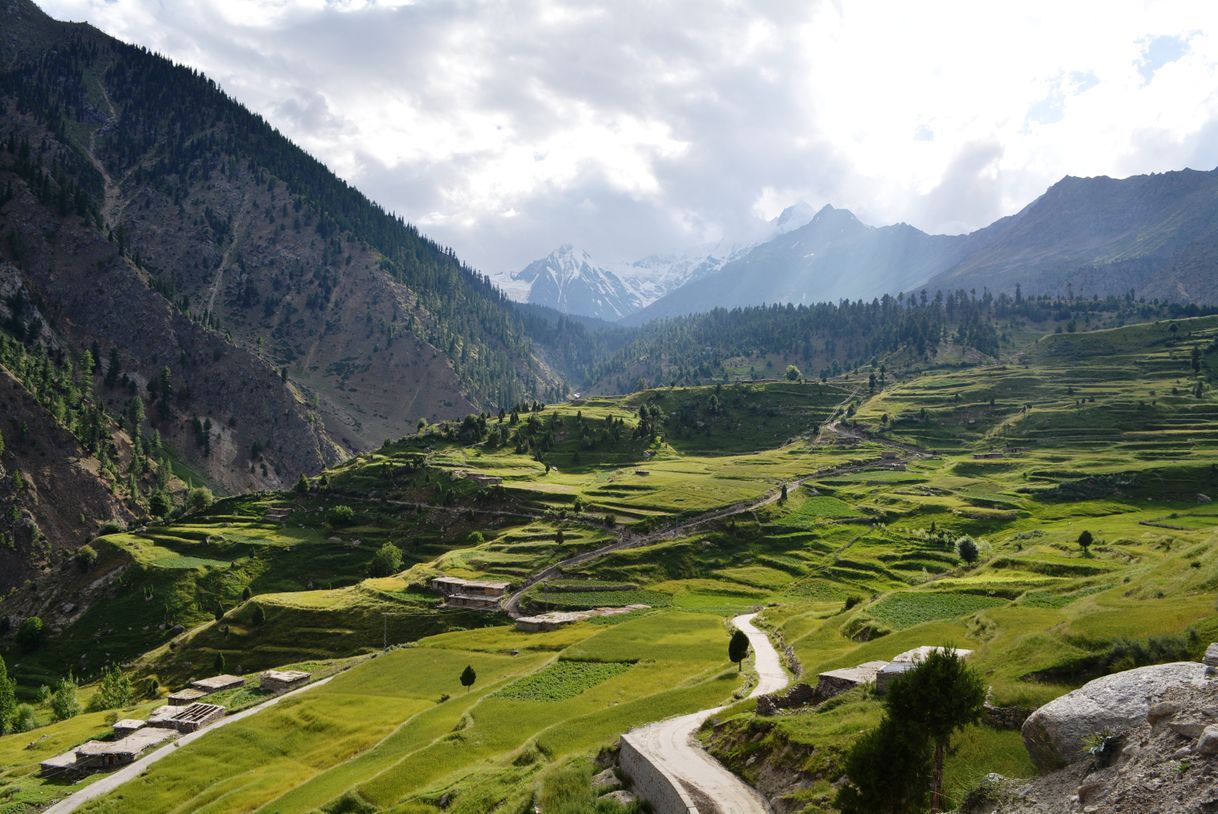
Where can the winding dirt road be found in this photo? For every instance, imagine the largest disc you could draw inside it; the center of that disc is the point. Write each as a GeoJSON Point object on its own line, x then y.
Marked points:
{"type": "Point", "coordinates": [670, 746]}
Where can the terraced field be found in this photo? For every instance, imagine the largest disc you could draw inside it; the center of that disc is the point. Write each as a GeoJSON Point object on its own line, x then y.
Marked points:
{"type": "Point", "coordinates": [1112, 432]}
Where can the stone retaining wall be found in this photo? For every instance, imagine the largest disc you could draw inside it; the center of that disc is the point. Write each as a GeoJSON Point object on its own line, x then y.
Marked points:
{"type": "Point", "coordinates": [652, 783]}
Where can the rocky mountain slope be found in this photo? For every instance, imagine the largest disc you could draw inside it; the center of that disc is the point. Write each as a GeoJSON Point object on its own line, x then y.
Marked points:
{"type": "Point", "coordinates": [1152, 234]}
{"type": "Point", "coordinates": [832, 257]}
{"type": "Point", "coordinates": [156, 219]}
{"type": "Point", "coordinates": [1149, 234]}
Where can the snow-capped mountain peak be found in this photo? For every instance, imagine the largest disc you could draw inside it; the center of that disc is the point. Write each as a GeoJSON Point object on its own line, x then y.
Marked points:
{"type": "Point", "coordinates": [569, 280]}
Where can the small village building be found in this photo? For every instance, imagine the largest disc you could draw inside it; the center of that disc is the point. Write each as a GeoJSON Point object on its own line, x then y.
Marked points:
{"type": "Point", "coordinates": [484, 480]}
{"type": "Point", "coordinates": [277, 514]}
{"type": "Point", "coordinates": [61, 767]}
{"type": "Point", "coordinates": [217, 683]}
{"type": "Point", "coordinates": [126, 726]}
{"type": "Point", "coordinates": [185, 697]}
{"type": "Point", "coordinates": [904, 662]}
{"type": "Point", "coordinates": [835, 682]}
{"type": "Point", "coordinates": [185, 719]}
{"type": "Point", "coordinates": [95, 755]}
{"type": "Point", "coordinates": [553, 620]}
{"type": "Point", "coordinates": [283, 680]}
{"type": "Point", "coordinates": [472, 594]}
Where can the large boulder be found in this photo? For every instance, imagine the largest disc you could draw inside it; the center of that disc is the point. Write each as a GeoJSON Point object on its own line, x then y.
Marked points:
{"type": "Point", "coordinates": [1060, 732]}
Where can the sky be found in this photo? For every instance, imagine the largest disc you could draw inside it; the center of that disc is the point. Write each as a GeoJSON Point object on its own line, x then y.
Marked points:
{"type": "Point", "coordinates": [636, 127]}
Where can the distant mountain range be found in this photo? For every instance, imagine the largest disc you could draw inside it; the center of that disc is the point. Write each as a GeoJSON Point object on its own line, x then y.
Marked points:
{"type": "Point", "coordinates": [569, 280]}
{"type": "Point", "coordinates": [1155, 235]}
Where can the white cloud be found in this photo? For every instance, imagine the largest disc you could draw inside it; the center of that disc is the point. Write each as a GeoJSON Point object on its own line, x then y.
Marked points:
{"type": "Point", "coordinates": [630, 127]}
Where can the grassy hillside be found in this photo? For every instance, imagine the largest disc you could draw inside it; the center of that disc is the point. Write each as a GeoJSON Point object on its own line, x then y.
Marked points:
{"type": "Point", "coordinates": [859, 561]}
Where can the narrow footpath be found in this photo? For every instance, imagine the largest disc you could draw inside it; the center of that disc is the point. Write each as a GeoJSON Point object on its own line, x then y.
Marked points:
{"type": "Point", "coordinates": [112, 781]}
{"type": "Point", "coordinates": [670, 745]}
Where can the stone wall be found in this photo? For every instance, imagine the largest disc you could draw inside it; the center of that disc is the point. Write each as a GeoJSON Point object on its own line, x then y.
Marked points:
{"type": "Point", "coordinates": [652, 783]}
{"type": "Point", "coordinates": [1005, 717]}
{"type": "Point", "coordinates": [801, 695]}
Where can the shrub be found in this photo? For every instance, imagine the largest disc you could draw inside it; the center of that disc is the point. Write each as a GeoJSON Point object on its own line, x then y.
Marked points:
{"type": "Point", "coordinates": [341, 515]}
{"type": "Point", "coordinates": [160, 504]}
{"type": "Point", "coordinates": [115, 690]}
{"type": "Point", "coordinates": [23, 719]}
{"type": "Point", "coordinates": [888, 769]}
{"type": "Point", "coordinates": [1126, 654]}
{"type": "Point", "coordinates": [31, 634]}
{"type": "Point", "coordinates": [198, 499]}
{"type": "Point", "coordinates": [85, 557]}
{"type": "Point", "coordinates": [386, 562]}
{"type": "Point", "coordinates": [259, 615]}
{"type": "Point", "coordinates": [64, 703]}
{"type": "Point", "coordinates": [967, 548]}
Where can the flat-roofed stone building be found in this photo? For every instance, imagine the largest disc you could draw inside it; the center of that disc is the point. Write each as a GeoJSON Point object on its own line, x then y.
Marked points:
{"type": "Point", "coordinates": [217, 683]}
{"type": "Point", "coordinates": [283, 680]}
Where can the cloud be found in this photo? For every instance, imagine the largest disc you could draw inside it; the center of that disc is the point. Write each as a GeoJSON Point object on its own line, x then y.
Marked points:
{"type": "Point", "coordinates": [631, 127]}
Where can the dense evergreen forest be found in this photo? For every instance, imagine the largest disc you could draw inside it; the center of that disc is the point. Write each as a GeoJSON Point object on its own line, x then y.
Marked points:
{"type": "Point", "coordinates": [828, 339]}
{"type": "Point", "coordinates": [174, 128]}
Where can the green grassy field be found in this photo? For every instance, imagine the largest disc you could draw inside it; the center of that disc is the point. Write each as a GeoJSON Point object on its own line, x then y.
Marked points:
{"type": "Point", "coordinates": [1103, 431]}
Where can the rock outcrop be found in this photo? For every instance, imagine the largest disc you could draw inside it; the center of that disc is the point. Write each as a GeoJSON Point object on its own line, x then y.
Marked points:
{"type": "Point", "coordinates": [1060, 732]}
{"type": "Point", "coordinates": [1166, 762]}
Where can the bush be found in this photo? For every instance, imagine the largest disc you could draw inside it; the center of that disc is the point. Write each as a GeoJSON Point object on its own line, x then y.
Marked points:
{"type": "Point", "coordinates": [341, 516]}
{"type": "Point", "coordinates": [85, 557]}
{"type": "Point", "coordinates": [115, 690]}
{"type": "Point", "coordinates": [198, 499]}
{"type": "Point", "coordinates": [160, 504]}
{"type": "Point", "coordinates": [386, 562]}
{"type": "Point", "coordinates": [64, 703]}
{"type": "Point", "coordinates": [31, 634]}
{"type": "Point", "coordinates": [259, 615]}
{"type": "Point", "coordinates": [1126, 654]}
{"type": "Point", "coordinates": [23, 719]}
{"type": "Point", "coordinates": [888, 769]}
{"type": "Point", "coordinates": [967, 548]}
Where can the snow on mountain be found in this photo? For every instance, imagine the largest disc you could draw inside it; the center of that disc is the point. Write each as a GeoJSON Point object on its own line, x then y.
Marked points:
{"type": "Point", "coordinates": [569, 280]}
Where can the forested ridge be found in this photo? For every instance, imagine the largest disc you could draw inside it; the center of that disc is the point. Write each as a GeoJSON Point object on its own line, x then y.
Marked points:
{"type": "Point", "coordinates": [174, 128]}
{"type": "Point", "coordinates": [828, 339]}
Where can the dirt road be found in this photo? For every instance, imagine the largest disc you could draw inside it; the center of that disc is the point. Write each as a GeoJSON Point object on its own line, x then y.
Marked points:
{"type": "Point", "coordinates": [111, 782]}
{"type": "Point", "coordinates": [670, 744]}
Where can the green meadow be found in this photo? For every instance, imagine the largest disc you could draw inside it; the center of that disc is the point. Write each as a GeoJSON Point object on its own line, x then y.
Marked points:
{"type": "Point", "coordinates": [1112, 432]}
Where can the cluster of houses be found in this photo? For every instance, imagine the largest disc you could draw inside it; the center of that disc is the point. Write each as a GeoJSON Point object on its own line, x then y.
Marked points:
{"type": "Point", "coordinates": [184, 713]}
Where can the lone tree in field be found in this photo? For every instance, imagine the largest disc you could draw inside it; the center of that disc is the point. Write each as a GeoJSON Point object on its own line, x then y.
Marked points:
{"type": "Point", "coordinates": [386, 562]}
{"type": "Point", "coordinates": [468, 677]}
{"type": "Point", "coordinates": [793, 373]}
{"type": "Point", "coordinates": [938, 697]}
{"type": "Point", "coordinates": [968, 549]}
{"type": "Point", "coordinates": [1085, 540]}
{"type": "Point", "coordinates": [738, 649]}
